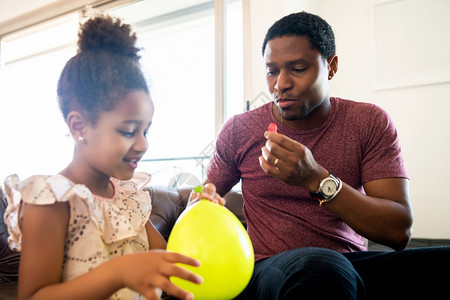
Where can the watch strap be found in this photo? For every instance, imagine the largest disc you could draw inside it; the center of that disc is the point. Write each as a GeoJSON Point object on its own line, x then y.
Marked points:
{"type": "Point", "coordinates": [319, 196]}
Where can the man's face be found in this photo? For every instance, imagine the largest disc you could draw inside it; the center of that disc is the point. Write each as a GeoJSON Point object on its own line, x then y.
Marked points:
{"type": "Point", "coordinates": [297, 76]}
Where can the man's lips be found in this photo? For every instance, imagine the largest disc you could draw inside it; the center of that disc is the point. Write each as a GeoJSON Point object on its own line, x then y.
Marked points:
{"type": "Point", "coordinates": [285, 103]}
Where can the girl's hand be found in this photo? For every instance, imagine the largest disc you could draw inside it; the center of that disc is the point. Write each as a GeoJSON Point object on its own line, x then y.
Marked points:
{"type": "Point", "coordinates": [208, 191]}
{"type": "Point", "coordinates": [149, 271]}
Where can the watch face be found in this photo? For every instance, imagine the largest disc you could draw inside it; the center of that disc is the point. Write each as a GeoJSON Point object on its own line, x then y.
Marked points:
{"type": "Point", "coordinates": [329, 187]}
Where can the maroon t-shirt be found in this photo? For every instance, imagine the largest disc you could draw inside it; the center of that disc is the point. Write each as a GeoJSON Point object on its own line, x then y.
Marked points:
{"type": "Point", "coordinates": [358, 143]}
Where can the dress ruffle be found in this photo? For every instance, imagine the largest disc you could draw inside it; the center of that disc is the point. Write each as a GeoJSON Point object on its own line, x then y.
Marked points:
{"type": "Point", "coordinates": [119, 218]}
{"type": "Point", "coordinates": [12, 211]}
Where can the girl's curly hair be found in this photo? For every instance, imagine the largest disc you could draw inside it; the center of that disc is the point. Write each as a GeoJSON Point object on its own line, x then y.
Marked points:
{"type": "Point", "coordinates": [105, 68]}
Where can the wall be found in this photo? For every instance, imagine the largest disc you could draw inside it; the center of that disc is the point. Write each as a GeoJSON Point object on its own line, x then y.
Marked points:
{"type": "Point", "coordinates": [411, 83]}
{"type": "Point", "coordinates": [258, 16]}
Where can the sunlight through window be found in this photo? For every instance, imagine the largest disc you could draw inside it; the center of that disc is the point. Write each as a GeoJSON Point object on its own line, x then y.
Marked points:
{"type": "Point", "coordinates": [178, 58]}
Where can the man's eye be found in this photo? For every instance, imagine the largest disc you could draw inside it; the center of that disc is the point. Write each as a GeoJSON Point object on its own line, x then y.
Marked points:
{"type": "Point", "coordinates": [272, 72]}
{"type": "Point", "coordinates": [298, 70]}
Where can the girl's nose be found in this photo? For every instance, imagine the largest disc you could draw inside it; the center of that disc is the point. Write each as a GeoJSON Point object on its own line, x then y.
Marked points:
{"type": "Point", "coordinates": [141, 144]}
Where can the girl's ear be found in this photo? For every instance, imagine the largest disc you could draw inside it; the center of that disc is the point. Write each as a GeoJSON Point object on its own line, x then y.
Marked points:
{"type": "Point", "coordinates": [77, 125]}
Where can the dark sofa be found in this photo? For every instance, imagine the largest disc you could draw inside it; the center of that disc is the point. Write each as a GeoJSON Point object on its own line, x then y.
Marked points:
{"type": "Point", "coordinates": [168, 203]}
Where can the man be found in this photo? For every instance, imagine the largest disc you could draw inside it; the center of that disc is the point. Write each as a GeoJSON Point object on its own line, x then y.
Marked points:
{"type": "Point", "coordinates": [331, 175]}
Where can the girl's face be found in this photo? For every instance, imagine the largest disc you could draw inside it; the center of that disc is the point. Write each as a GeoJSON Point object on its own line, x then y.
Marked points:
{"type": "Point", "coordinates": [118, 141]}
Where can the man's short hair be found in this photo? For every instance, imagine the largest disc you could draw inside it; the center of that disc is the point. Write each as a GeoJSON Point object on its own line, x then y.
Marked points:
{"type": "Point", "coordinates": [316, 29]}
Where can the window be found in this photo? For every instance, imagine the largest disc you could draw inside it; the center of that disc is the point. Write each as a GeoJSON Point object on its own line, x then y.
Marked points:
{"type": "Point", "coordinates": [34, 135]}
{"type": "Point", "coordinates": [178, 57]}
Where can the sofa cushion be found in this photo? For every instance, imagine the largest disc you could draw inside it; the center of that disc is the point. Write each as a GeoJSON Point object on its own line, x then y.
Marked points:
{"type": "Point", "coordinates": [167, 204]}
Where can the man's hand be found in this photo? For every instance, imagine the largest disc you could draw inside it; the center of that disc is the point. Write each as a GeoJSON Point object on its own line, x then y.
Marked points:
{"type": "Point", "coordinates": [290, 162]}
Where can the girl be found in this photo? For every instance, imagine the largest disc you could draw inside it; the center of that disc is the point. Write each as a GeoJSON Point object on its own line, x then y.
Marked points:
{"type": "Point", "coordinates": [85, 232]}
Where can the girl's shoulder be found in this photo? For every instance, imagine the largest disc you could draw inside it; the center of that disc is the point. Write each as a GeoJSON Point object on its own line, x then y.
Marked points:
{"type": "Point", "coordinates": [122, 218]}
{"type": "Point", "coordinates": [41, 189]}
{"type": "Point", "coordinates": [37, 190]}
{"type": "Point", "coordinates": [48, 189]}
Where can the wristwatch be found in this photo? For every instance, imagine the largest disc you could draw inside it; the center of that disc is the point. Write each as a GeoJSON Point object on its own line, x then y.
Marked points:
{"type": "Point", "coordinates": [329, 187]}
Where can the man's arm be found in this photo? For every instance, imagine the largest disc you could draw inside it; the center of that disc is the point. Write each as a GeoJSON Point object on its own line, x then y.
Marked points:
{"type": "Point", "coordinates": [383, 215]}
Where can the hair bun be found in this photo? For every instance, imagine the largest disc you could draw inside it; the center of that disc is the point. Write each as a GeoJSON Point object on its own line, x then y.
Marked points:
{"type": "Point", "coordinates": [108, 34]}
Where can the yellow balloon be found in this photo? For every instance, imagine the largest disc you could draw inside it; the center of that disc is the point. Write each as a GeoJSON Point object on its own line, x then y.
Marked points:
{"type": "Point", "coordinates": [212, 234]}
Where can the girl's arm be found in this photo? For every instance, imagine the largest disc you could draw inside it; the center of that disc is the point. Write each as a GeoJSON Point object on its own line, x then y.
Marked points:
{"type": "Point", "coordinates": [44, 230]}
{"type": "Point", "coordinates": [43, 235]}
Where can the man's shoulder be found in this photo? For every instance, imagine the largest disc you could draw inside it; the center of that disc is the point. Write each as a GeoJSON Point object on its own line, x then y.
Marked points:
{"type": "Point", "coordinates": [358, 108]}
{"type": "Point", "coordinates": [354, 104]}
{"type": "Point", "coordinates": [263, 110]}
{"type": "Point", "coordinates": [247, 126]}
{"type": "Point", "coordinates": [259, 115]}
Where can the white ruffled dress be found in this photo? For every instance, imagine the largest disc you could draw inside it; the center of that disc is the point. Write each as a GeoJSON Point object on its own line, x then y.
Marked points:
{"type": "Point", "coordinates": [99, 229]}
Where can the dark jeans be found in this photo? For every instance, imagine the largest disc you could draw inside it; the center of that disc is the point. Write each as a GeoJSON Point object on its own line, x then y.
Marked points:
{"type": "Point", "coordinates": [316, 273]}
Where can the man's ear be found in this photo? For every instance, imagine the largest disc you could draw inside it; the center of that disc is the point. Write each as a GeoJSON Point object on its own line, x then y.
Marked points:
{"type": "Point", "coordinates": [332, 65]}
{"type": "Point", "coordinates": [77, 124]}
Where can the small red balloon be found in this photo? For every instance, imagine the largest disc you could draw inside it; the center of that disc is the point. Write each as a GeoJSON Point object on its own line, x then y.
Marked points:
{"type": "Point", "coordinates": [273, 127]}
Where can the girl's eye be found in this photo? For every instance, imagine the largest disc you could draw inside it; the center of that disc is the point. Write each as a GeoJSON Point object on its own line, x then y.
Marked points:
{"type": "Point", "coordinates": [127, 134]}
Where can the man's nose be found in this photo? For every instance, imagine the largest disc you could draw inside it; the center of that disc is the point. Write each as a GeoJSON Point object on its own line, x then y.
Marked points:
{"type": "Point", "coordinates": [284, 81]}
